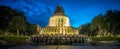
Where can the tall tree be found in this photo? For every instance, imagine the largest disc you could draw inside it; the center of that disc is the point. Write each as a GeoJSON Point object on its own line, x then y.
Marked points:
{"type": "Point", "coordinates": [113, 18]}
{"type": "Point", "coordinates": [85, 29]}
{"type": "Point", "coordinates": [98, 23]}
{"type": "Point", "coordinates": [107, 24]}
{"type": "Point", "coordinates": [31, 29]}
{"type": "Point", "coordinates": [18, 22]}
{"type": "Point", "coordinates": [6, 14]}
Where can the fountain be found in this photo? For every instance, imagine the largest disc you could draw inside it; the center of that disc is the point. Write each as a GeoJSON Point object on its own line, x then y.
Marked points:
{"type": "Point", "coordinates": [58, 31]}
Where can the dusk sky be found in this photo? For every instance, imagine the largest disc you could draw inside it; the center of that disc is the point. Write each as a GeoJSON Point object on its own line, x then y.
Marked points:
{"type": "Point", "coordinates": [79, 11]}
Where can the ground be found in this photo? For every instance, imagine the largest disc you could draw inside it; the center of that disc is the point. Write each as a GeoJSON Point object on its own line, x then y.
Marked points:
{"type": "Point", "coordinates": [60, 47]}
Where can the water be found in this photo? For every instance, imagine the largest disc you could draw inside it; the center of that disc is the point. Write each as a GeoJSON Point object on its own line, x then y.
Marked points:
{"type": "Point", "coordinates": [59, 47]}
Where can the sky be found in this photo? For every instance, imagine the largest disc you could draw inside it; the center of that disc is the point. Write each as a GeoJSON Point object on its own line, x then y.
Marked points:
{"type": "Point", "coordinates": [79, 12]}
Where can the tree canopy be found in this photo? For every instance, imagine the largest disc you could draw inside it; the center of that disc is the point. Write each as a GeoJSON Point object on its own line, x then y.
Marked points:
{"type": "Point", "coordinates": [13, 21]}
{"type": "Point", "coordinates": [107, 24]}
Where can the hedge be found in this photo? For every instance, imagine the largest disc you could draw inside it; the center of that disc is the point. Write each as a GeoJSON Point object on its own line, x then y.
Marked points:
{"type": "Point", "coordinates": [13, 38]}
{"type": "Point", "coordinates": [105, 38]}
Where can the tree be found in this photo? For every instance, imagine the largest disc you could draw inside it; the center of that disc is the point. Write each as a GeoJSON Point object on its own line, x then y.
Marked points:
{"type": "Point", "coordinates": [113, 18]}
{"type": "Point", "coordinates": [107, 24]}
{"type": "Point", "coordinates": [18, 23]}
{"type": "Point", "coordinates": [31, 29]}
{"type": "Point", "coordinates": [85, 29]}
{"type": "Point", "coordinates": [14, 21]}
{"type": "Point", "coordinates": [97, 23]}
{"type": "Point", "coordinates": [6, 14]}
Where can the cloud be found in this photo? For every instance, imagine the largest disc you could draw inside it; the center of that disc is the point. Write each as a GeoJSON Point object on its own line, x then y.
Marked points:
{"type": "Point", "coordinates": [39, 11]}
{"type": "Point", "coordinates": [36, 11]}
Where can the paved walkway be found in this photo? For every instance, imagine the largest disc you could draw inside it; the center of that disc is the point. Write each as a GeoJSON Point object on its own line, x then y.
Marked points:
{"type": "Point", "coordinates": [61, 47]}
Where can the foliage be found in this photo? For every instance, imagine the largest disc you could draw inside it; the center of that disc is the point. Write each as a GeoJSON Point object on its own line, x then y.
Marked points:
{"type": "Point", "coordinates": [11, 18]}
{"type": "Point", "coordinates": [14, 22]}
{"type": "Point", "coordinates": [31, 29]}
{"type": "Point", "coordinates": [13, 38]}
{"type": "Point", "coordinates": [17, 23]}
{"type": "Point", "coordinates": [104, 25]}
{"type": "Point", "coordinates": [6, 15]}
{"type": "Point", "coordinates": [105, 38]}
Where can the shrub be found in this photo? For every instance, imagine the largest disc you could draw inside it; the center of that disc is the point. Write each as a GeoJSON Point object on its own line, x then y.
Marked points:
{"type": "Point", "coordinates": [13, 38]}
{"type": "Point", "coordinates": [105, 38]}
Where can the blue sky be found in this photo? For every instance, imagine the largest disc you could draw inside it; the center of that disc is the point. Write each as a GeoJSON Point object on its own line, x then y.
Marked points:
{"type": "Point", "coordinates": [79, 11]}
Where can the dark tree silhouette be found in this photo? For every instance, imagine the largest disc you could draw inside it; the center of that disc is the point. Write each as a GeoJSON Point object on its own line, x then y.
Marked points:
{"type": "Point", "coordinates": [107, 24]}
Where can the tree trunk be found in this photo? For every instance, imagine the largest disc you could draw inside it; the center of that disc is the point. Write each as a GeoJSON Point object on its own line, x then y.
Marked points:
{"type": "Point", "coordinates": [17, 31]}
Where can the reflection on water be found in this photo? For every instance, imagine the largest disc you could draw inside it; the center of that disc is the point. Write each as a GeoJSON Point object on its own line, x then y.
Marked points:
{"type": "Point", "coordinates": [59, 47]}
